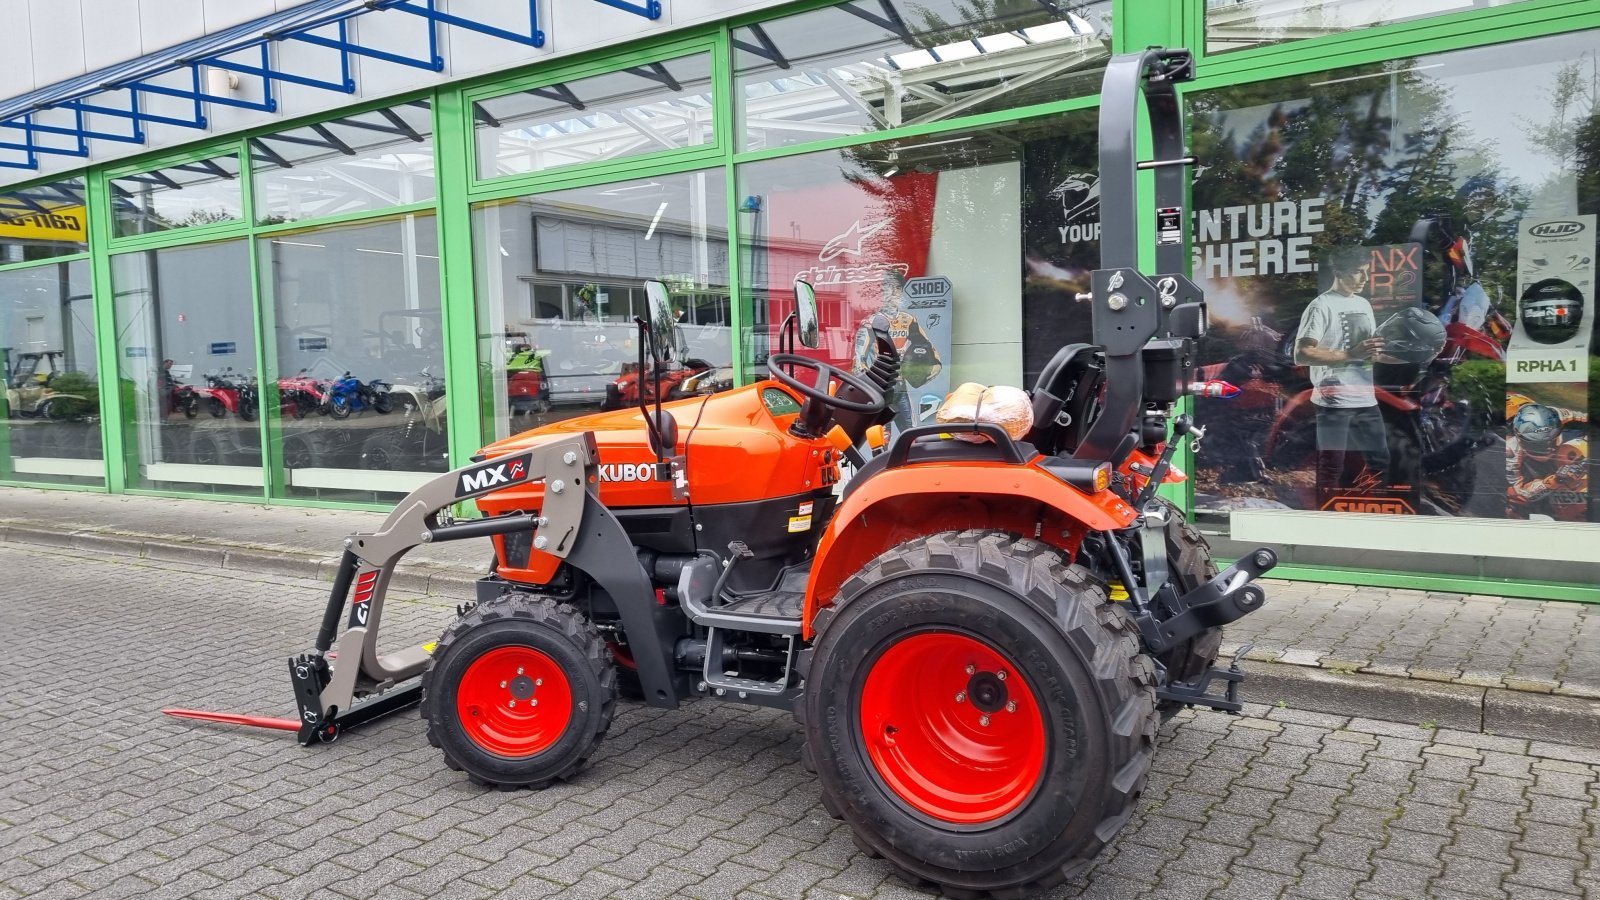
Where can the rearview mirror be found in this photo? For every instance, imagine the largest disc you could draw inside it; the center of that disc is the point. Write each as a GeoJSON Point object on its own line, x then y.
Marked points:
{"type": "Point", "coordinates": [663, 324]}
{"type": "Point", "coordinates": [805, 299]}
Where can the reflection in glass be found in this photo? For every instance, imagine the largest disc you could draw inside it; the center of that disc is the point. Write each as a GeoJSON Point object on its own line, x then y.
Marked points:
{"type": "Point", "coordinates": [1237, 24]}
{"type": "Point", "coordinates": [862, 67]}
{"type": "Point", "coordinates": [359, 162]}
{"type": "Point", "coordinates": [360, 357]}
{"type": "Point", "coordinates": [186, 352]}
{"type": "Point", "coordinates": [960, 240]}
{"type": "Point", "coordinates": [50, 427]}
{"type": "Point", "coordinates": [646, 109]}
{"type": "Point", "coordinates": [43, 221]}
{"type": "Point", "coordinates": [561, 277]}
{"type": "Point", "coordinates": [203, 192]}
{"type": "Point", "coordinates": [1389, 202]}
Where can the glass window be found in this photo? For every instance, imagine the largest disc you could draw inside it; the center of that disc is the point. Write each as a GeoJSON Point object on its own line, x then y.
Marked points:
{"type": "Point", "coordinates": [561, 277]}
{"type": "Point", "coordinates": [203, 192]}
{"type": "Point", "coordinates": [973, 244]}
{"type": "Point", "coordinates": [366, 161]}
{"type": "Point", "coordinates": [1237, 24]}
{"type": "Point", "coordinates": [646, 109]}
{"type": "Point", "coordinates": [360, 374]}
{"type": "Point", "coordinates": [862, 67]}
{"type": "Point", "coordinates": [43, 221]}
{"type": "Point", "coordinates": [1400, 264]}
{"type": "Point", "coordinates": [51, 428]}
{"type": "Point", "coordinates": [186, 352]}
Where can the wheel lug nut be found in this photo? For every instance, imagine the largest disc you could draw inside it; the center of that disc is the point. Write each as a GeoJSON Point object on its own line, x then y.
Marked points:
{"type": "Point", "coordinates": [1001, 674]}
{"type": "Point", "coordinates": [984, 721]}
{"type": "Point", "coordinates": [538, 681]}
{"type": "Point", "coordinates": [512, 703]}
{"type": "Point", "coordinates": [519, 670]}
{"type": "Point", "coordinates": [961, 696]}
{"type": "Point", "coordinates": [972, 669]}
{"type": "Point", "coordinates": [502, 684]}
{"type": "Point", "coordinates": [1011, 706]}
{"type": "Point", "coordinates": [533, 703]}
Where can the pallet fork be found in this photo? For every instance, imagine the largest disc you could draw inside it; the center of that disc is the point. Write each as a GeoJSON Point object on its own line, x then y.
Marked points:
{"type": "Point", "coordinates": [360, 685]}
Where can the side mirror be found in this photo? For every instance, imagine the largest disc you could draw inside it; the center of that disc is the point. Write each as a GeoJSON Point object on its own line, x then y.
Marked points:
{"type": "Point", "coordinates": [805, 300]}
{"type": "Point", "coordinates": [663, 324]}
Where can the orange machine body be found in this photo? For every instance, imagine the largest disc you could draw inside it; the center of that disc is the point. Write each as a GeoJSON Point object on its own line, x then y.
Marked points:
{"type": "Point", "coordinates": [737, 446]}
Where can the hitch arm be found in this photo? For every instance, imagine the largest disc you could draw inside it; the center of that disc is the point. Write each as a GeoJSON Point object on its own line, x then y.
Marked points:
{"type": "Point", "coordinates": [1227, 597]}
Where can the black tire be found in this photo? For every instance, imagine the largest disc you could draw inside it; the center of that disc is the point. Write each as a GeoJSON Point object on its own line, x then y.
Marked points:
{"type": "Point", "coordinates": [339, 407]}
{"type": "Point", "coordinates": [379, 452]}
{"type": "Point", "coordinates": [521, 623]}
{"type": "Point", "coordinates": [1079, 656]}
{"type": "Point", "coordinates": [382, 402]}
{"type": "Point", "coordinates": [191, 406]}
{"type": "Point", "coordinates": [247, 410]}
{"type": "Point", "coordinates": [299, 452]}
{"type": "Point", "coordinates": [205, 450]}
{"type": "Point", "coordinates": [1189, 565]}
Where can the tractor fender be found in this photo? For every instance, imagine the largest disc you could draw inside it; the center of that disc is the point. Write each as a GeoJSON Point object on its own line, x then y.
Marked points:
{"type": "Point", "coordinates": [901, 504]}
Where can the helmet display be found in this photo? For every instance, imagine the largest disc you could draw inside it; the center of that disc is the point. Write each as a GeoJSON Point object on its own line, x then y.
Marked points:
{"type": "Point", "coordinates": [1537, 429]}
{"type": "Point", "coordinates": [1413, 335]}
{"type": "Point", "coordinates": [1551, 311]}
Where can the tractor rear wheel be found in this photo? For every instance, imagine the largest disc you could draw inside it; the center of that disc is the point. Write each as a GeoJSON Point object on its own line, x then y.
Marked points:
{"type": "Point", "coordinates": [519, 692]}
{"type": "Point", "coordinates": [1189, 564]}
{"type": "Point", "coordinates": [979, 713]}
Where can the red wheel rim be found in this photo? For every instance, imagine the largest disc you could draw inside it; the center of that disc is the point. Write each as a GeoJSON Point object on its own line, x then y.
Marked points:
{"type": "Point", "coordinates": [952, 727]}
{"type": "Point", "coordinates": [514, 701]}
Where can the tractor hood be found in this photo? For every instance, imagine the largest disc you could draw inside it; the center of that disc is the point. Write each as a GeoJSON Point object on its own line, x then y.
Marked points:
{"type": "Point", "coordinates": [736, 446]}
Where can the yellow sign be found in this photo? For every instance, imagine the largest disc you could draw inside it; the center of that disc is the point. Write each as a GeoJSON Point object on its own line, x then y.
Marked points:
{"type": "Point", "coordinates": [64, 223]}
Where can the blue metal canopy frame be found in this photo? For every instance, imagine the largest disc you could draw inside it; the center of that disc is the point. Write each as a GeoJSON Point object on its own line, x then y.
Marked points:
{"type": "Point", "coordinates": [133, 80]}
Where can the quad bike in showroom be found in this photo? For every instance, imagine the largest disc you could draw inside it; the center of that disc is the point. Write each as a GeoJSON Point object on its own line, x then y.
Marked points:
{"type": "Point", "coordinates": [975, 705]}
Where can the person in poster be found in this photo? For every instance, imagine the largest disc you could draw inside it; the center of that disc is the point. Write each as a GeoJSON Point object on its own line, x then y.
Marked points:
{"type": "Point", "coordinates": [919, 358]}
{"type": "Point", "coordinates": [1337, 340]}
{"type": "Point", "coordinates": [1547, 461]}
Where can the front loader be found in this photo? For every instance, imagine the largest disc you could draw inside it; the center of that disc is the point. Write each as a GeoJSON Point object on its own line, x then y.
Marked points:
{"type": "Point", "coordinates": [980, 636]}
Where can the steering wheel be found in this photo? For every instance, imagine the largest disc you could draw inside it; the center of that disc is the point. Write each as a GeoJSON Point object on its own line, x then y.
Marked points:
{"type": "Point", "coordinates": [876, 403]}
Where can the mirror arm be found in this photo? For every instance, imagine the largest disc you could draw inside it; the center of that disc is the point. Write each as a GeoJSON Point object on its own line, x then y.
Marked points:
{"type": "Point", "coordinates": [656, 438]}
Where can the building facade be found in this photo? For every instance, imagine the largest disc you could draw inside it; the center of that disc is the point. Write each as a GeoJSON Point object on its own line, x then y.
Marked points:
{"type": "Point", "coordinates": [312, 252]}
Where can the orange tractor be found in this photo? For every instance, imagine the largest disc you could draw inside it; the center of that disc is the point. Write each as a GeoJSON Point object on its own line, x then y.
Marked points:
{"type": "Point", "coordinates": [980, 638]}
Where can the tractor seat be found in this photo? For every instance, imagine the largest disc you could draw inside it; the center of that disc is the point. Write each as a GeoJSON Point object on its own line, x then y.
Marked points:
{"type": "Point", "coordinates": [931, 448]}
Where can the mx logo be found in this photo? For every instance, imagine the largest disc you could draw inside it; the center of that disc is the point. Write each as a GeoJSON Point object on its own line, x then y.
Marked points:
{"type": "Point", "coordinates": [851, 240]}
{"type": "Point", "coordinates": [503, 472]}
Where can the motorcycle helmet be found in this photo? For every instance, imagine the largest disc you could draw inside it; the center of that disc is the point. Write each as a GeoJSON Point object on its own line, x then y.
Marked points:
{"type": "Point", "coordinates": [1551, 311]}
{"type": "Point", "coordinates": [1537, 429]}
{"type": "Point", "coordinates": [1413, 336]}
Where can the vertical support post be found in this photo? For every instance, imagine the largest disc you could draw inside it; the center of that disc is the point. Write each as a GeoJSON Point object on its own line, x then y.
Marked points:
{"type": "Point", "coordinates": [267, 422]}
{"type": "Point", "coordinates": [725, 132]}
{"type": "Point", "coordinates": [97, 212]}
{"type": "Point", "coordinates": [453, 136]}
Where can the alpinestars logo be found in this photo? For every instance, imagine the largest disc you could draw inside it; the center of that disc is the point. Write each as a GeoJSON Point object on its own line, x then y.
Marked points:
{"type": "Point", "coordinates": [851, 240]}
{"type": "Point", "coordinates": [501, 472]}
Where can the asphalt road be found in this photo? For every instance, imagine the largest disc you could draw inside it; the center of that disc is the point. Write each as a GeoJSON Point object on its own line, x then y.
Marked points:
{"type": "Point", "coordinates": [102, 796]}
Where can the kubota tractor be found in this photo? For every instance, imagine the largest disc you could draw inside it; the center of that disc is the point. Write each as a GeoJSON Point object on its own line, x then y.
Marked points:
{"type": "Point", "coordinates": [980, 639]}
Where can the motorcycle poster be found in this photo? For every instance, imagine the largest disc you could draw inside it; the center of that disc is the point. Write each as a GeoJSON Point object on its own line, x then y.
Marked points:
{"type": "Point", "coordinates": [1361, 168]}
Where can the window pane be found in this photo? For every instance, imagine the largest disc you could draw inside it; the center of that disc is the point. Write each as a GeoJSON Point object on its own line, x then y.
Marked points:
{"type": "Point", "coordinates": [862, 67]}
{"type": "Point", "coordinates": [1441, 205]}
{"type": "Point", "coordinates": [973, 244]}
{"type": "Point", "coordinates": [360, 367]}
{"type": "Point", "coordinates": [1237, 24]}
{"type": "Point", "coordinates": [646, 109]}
{"type": "Point", "coordinates": [366, 161]}
{"type": "Point", "coordinates": [561, 276]}
{"type": "Point", "coordinates": [186, 350]}
{"type": "Point", "coordinates": [50, 431]}
{"type": "Point", "coordinates": [43, 221]}
{"type": "Point", "coordinates": [203, 192]}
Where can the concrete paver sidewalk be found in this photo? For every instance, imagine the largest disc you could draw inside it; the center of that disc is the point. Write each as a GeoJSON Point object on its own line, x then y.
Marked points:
{"type": "Point", "coordinates": [100, 796]}
{"type": "Point", "coordinates": [1478, 662]}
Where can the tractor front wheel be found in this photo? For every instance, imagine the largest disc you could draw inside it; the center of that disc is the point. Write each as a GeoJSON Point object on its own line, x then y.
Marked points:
{"type": "Point", "coordinates": [979, 713]}
{"type": "Point", "coordinates": [519, 692]}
